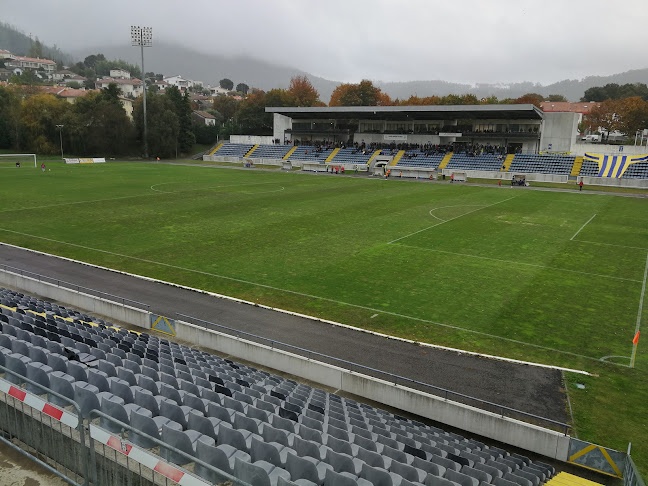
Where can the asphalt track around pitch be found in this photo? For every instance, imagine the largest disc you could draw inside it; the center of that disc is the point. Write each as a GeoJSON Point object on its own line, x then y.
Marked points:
{"type": "Point", "coordinates": [532, 389]}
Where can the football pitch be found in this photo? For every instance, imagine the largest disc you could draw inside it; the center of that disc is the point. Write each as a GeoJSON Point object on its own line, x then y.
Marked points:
{"type": "Point", "coordinates": [545, 276]}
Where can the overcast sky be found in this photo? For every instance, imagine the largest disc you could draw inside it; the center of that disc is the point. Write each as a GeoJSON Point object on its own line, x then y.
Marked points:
{"type": "Point", "coordinates": [348, 40]}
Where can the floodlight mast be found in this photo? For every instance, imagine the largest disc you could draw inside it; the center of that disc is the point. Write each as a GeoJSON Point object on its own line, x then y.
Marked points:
{"type": "Point", "coordinates": [60, 127]}
{"type": "Point", "coordinates": [143, 37]}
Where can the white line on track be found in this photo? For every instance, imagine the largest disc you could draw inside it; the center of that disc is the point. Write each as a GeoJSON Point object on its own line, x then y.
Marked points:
{"type": "Point", "coordinates": [264, 192]}
{"type": "Point", "coordinates": [293, 292]}
{"type": "Point", "coordinates": [515, 262]}
{"type": "Point", "coordinates": [202, 188]}
{"type": "Point", "coordinates": [448, 220]}
{"type": "Point", "coordinates": [581, 228]}
{"type": "Point", "coordinates": [313, 318]}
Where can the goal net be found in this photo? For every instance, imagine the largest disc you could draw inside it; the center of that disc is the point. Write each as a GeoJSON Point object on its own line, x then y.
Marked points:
{"type": "Point", "coordinates": [17, 160]}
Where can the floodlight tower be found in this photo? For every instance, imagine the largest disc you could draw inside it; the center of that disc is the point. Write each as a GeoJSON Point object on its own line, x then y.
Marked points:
{"type": "Point", "coordinates": [60, 127]}
{"type": "Point", "coordinates": [143, 37]}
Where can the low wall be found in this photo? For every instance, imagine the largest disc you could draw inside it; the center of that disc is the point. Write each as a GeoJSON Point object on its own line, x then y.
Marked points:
{"type": "Point", "coordinates": [509, 431]}
{"type": "Point", "coordinates": [519, 434]}
{"type": "Point", "coordinates": [317, 167]}
{"type": "Point", "coordinates": [88, 303]}
{"type": "Point", "coordinates": [605, 149]}
{"type": "Point", "coordinates": [610, 181]}
{"type": "Point", "coordinates": [253, 139]}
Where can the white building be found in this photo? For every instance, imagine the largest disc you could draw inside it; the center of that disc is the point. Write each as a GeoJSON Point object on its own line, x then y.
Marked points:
{"type": "Point", "coordinates": [31, 64]}
{"type": "Point", "coordinates": [4, 54]}
{"type": "Point", "coordinates": [182, 83]}
{"type": "Point", "coordinates": [119, 74]}
{"type": "Point", "coordinates": [217, 90]}
{"type": "Point", "coordinates": [129, 87]}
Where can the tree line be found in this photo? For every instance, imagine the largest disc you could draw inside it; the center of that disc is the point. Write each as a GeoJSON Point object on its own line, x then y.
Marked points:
{"type": "Point", "coordinates": [96, 124]}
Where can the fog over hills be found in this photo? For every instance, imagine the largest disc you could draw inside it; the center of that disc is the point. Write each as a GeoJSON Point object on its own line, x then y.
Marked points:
{"type": "Point", "coordinates": [210, 68]}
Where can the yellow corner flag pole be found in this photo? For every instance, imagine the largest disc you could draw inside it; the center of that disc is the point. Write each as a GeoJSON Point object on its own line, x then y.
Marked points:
{"type": "Point", "coordinates": [635, 342]}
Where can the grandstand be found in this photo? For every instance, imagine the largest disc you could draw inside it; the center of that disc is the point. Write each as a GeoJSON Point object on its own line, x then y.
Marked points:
{"type": "Point", "coordinates": [542, 164]}
{"type": "Point", "coordinates": [217, 417]}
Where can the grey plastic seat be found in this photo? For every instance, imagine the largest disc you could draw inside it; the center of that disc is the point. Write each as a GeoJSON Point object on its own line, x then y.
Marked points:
{"type": "Point", "coordinates": [336, 479]}
{"type": "Point", "coordinates": [445, 462]}
{"type": "Point", "coordinates": [493, 472]}
{"type": "Point", "coordinates": [514, 477]}
{"type": "Point", "coordinates": [57, 362]}
{"type": "Point", "coordinates": [261, 451]}
{"type": "Point", "coordinates": [147, 383]}
{"type": "Point", "coordinates": [371, 458]}
{"type": "Point", "coordinates": [432, 480]}
{"type": "Point", "coordinates": [61, 383]}
{"type": "Point", "coordinates": [233, 404]}
{"type": "Point", "coordinates": [113, 408]}
{"type": "Point", "coordinates": [339, 445]}
{"type": "Point", "coordinates": [149, 426]}
{"type": "Point", "coordinates": [513, 465]}
{"type": "Point", "coordinates": [307, 433]}
{"type": "Point", "coordinates": [221, 413]}
{"type": "Point", "coordinates": [77, 370]}
{"type": "Point", "coordinates": [307, 448]}
{"type": "Point", "coordinates": [38, 354]}
{"type": "Point", "coordinates": [195, 402]}
{"type": "Point", "coordinates": [479, 475]}
{"type": "Point", "coordinates": [39, 373]}
{"type": "Point", "coordinates": [241, 422]}
{"type": "Point", "coordinates": [504, 482]}
{"type": "Point", "coordinates": [396, 455]}
{"type": "Point", "coordinates": [301, 469]}
{"type": "Point", "coordinates": [277, 436]}
{"type": "Point", "coordinates": [221, 457]}
{"type": "Point", "coordinates": [428, 467]}
{"type": "Point", "coordinates": [536, 477]}
{"type": "Point", "coordinates": [376, 476]}
{"type": "Point", "coordinates": [473, 458]}
{"type": "Point", "coordinates": [88, 397]}
{"type": "Point", "coordinates": [228, 435]}
{"type": "Point", "coordinates": [461, 478]}
{"type": "Point", "coordinates": [122, 389]}
{"type": "Point", "coordinates": [184, 441]}
{"type": "Point", "coordinates": [540, 472]}
{"type": "Point", "coordinates": [407, 472]}
{"type": "Point", "coordinates": [17, 363]}
{"type": "Point", "coordinates": [341, 463]}
{"type": "Point", "coordinates": [21, 347]}
{"type": "Point", "coordinates": [99, 379]}
{"type": "Point", "coordinates": [205, 425]}
{"type": "Point", "coordinates": [171, 393]}
{"type": "Point", "coordinates": [126, 375]}
{"type": "Point", "coordinates": [279, 422]}
{"type": "Point", "coordinates": [174, 412]}
{"type": "Point", "coordinates": [498, 465]}
{"type": "Point", "coordinates": [260, 473]}
{"type": "Point", "coordinates": [145, 399]}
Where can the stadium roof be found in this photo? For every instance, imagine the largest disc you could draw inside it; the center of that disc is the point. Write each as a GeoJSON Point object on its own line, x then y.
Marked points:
{"type": "Point", "coordinates": [426, 112]}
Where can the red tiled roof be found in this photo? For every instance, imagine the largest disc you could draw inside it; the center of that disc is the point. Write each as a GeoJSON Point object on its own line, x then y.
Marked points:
{"type": "Point", "coordinates": [73, 93]}
{"type": "Point", "coordinates": [204, 114]}
{"type": "Point", "coordinates": [34, 59]}
{"type": "Point", "coordinates": [567, 107]}
{"type": "Point", "coordinates": [134, 81]}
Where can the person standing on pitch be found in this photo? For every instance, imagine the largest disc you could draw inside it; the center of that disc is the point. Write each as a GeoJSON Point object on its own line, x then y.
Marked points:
{"type": "Point", "coordinates": [580, 185]}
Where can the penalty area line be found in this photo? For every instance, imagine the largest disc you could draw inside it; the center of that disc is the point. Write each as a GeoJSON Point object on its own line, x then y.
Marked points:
{"type": "Point", "coordinates": [448, 220]}
{"type": "Point", "coordinates": [302, 294]}
{"type": "Point", "coordinates": [581, 228]}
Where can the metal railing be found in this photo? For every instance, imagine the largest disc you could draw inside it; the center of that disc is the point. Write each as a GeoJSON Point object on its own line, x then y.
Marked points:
{"type": "Point", "coordinates": [78, 455]}
{"type": "Point", "coordinates": [502, 410]}
{"type": "Point", "coordinates": [631, 476]}
{"type": "Point", "coordinates": [41, 438]}
{"type": "Point", "coordinates": [79, 288]}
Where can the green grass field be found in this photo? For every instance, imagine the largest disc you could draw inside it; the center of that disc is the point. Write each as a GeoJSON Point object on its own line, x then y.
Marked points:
{"type": "Point", "coordinates": [550, 277]}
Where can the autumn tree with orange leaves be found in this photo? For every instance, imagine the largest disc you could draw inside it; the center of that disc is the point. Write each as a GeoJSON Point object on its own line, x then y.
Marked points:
{"type": "Point", "coordinates": [361, 94]}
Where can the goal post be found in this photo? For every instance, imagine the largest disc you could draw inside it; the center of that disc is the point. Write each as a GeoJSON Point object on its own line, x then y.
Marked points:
{"type": "Point", "coordinates": [17, 160]}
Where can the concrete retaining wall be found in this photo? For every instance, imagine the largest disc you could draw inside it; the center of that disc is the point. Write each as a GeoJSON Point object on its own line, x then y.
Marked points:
{"type": "Point", "coordinates": [471, 419]}
{"type": "Point", "coordinates": [88, 303]}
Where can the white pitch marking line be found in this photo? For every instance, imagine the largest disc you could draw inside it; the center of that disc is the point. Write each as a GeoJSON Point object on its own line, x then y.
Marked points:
{"type": "Point", "coordinates": [453, 206]}
{"type": "Point", "coordinates": [451, 219]}
{"type": "Point", "coordinates": [611, 244]}
{"type": "Point", "coordinates": [325, 299]}
{"type": "Point", "coordinates": [264, 192]}
{"type": "Point", "coordinates": [518, 263]}
{"type": "Point", "coordinates": [641, 300]}
{"type": "Point", "coordinates": [375, 315]}
{"type": "Point", "coordinates": [581, 228]}
{"type": "Point", "coordinates": [203, 188]}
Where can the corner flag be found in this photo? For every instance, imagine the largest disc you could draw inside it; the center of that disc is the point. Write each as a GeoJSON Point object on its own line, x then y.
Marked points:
{"type": "Point", "coordinates": [636, 338]}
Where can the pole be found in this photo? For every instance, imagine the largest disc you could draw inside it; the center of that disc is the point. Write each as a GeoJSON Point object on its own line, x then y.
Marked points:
{"type": "Point", "coordinates": [60, 127]}
{"type": "Point", "coordinates": [144, 99]}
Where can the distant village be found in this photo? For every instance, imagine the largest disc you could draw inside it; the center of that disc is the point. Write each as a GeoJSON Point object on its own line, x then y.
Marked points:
{"type": "Point", "coordinates": [70, 86]}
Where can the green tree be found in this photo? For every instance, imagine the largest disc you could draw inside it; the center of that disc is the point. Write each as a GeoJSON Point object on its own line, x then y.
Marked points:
{"type": "Point", "coordinates": [242, 88]}
{"type": "Point", "coordinates": [556, 97]}
{"type": "Point", "coordinates": [530, 98]}
{"type": "Point", "coordinates": [182, 110]}
{"type": "Point", "coordinates": [39, 116]}
{"type": "Point", "coordinates": [163, 126]}
{"type": "Point", "coordinates": [252, 118]}
{"type": "Point", "coordinates": [226, 106]}
{"type": "Point", "coordinates": [10, 106]}
{"type": "Point", "coordinates": [36, 49]}
{"type": "Point", "coordinates": [226, 83]}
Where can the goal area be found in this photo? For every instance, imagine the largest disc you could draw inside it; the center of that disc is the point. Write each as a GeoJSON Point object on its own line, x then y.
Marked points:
{"type": "Point", "coordinates": [17, 160]}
